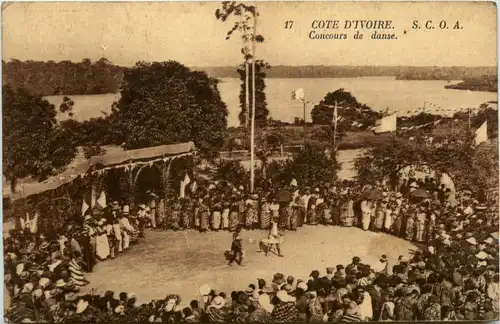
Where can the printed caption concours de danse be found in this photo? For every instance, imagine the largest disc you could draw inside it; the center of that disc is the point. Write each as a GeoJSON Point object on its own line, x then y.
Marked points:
{"type": "Point", "coordinates": [378, 29]}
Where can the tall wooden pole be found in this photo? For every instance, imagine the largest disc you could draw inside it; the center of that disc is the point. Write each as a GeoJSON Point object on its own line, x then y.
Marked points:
{"type": "Point", "coordinates": [305, 124]}
{"type": "Point", "coordinates": [252, 127]}
{"type": "Point", "coordinates": [247, 100]}
{"type": "Point", "coordinates": [335, 127]}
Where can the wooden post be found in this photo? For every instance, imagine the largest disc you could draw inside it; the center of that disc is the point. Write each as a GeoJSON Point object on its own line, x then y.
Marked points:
{"type": "Point", "coordinates": [131, 188]}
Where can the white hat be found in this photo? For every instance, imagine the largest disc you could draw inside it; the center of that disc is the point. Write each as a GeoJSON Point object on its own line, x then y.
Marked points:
{"type": "Point", "coordinates": [302, 285]}
{"type": "Point", "coordinates": [472, 240]}
{"type": "Point", "coordinates": [126, 209]}
{"type": "Point", "coordinates": [241, 188]}
{"type": "Point", "coordinates": [28, 287]}
{"type": "Point", "coordinates": [44, 282]}
{"type": "Point", "coordinates": [81, 306]}
{"type": "Point", "coordinates": [482, 255]}
{"type": "Point", "coordinates": [19, 268]}
{"type": "Point", "coordinates": [283, 296]}
{"type": "Point", "coordinates": [142, 206]}
{"type": "Point", "coordinates": [204, 290]}
{"type": "Point", "coordinates": [60, 283]}
{"type": "Point", "coordinates": [403, 259]}
{"type": "Point", "coordinates": [489, 240]}
{"type": "Point", "coordinates": [399, 195]}
{"type": "Point", "coordinates": [218, 302]}
{"type": "Point", "coordinates": [293, 183]}
{"type": "Point", "coordinates": [265, 302]}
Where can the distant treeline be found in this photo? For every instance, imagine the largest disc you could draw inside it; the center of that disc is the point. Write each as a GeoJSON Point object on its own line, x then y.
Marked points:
{"type": "Point", "coordinates": [65, 77]}
{"type": "Point", "coordinates": [400, 72]}
{"type": "Point", "coordinates": [485, 83]}
{"type": "Point", "coordinates": [446, 73]}
{"type": "Point", "coordinates": [102, 76]}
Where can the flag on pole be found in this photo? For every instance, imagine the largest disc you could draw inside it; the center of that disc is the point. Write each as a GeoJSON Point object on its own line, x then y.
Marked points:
{"type": "Point", "coordinates": [102, 200]}
{"type": "Point", "coordinates": [183, 185]}
{"type": "Point", "coordinates": [85, 206]}
{"type": "Point", "coordinates": [481, 133]}
{"type": "Point", "coordinates": [298, 94]}
{"type": "Point", "coordinates": [386, 124]}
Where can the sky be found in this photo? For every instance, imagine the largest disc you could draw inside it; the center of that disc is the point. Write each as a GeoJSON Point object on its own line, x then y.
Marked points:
{"type": "Point", "coordinates": [188, 32]}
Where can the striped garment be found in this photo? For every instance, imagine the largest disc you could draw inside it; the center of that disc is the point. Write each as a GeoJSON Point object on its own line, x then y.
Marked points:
{"type": "Point", "coordinates": [76, 273]}
{"type": "Point", "coordinates": [350, 318]}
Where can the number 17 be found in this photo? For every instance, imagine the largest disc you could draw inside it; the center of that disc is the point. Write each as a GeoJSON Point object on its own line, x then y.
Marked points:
{"type": "Point", "coordinates": [288, 24]}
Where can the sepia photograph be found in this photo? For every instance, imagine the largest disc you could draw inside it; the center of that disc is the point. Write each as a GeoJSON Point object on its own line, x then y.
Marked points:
{"type": "Point", "coordinates": [267, 162]}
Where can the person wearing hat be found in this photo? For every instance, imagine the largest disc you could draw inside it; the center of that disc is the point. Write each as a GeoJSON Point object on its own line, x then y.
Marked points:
{"type": "Point", "coordinates": [126, 228]}
{"type": "Point", "coordinates": [102, 243]}
{"type": "Point", "coordinates": [251, 212]}
{"type": "Point", "coordinates": [380, 267]}
{"type": "Point", "coordinates": [329, 273]}
{"type": "Point", "coordinates": [284, 310]}
{"type": "Point", "coordinates": [273, 240]}
{"type": "Point", "coordinates": [142, 219]}
{"type": "Point", "coordinates": [216, 312]}
{"type": "Point", "coordinates": [237, 251]}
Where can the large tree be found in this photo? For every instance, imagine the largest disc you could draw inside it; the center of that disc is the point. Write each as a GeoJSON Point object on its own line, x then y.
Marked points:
{"type": "Point", "coordinates": [349, 110]}
{"type": "Point", "coordinates": [261, 111]}
{"type": "Point", "coordinates": [351, 115]}
{"type": "Point", "coordinates": [166, 102]}
{"type": "Point", "coordinates": [33, 143]}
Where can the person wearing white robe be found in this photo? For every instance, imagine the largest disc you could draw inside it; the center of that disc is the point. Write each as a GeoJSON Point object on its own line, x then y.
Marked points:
{"type": "Point", "coordinates": [102, 244]}
{"type": "Point", "coordinates": [366, 210]}
{"type": "Point", "coordinates": [388, 217]}
{"type": "Point", "coordinates": [125, 227]}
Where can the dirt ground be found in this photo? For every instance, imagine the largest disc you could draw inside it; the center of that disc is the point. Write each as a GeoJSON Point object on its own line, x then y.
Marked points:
{"type": "Point", "coordinates": [179, 262]}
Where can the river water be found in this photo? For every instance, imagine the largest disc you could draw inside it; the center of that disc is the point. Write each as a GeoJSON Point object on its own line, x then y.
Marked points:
{"type": "Point", "coordinates": [380, 93]}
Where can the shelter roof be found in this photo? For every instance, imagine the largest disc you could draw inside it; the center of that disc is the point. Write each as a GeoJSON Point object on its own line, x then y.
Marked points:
{"type": "Point", "coordinates": [144, 154]}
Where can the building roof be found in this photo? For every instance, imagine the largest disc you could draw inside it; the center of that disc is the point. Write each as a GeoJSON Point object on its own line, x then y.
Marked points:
{"type": "Point", "coordinates": [121, 157]}
{"type": "Point", "coordinates": [114, 156]}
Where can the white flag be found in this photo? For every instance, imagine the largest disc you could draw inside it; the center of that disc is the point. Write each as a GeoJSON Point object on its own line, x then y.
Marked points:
{"type": "Point", "coordinates": [34, 224]}
{"type": "Point", "coordinates": [386, 124]}
{"type": "Point", "coordinates": [481, 133]}
{"type": "Point", "coordinates": [298, 94]}
{"type": "Point", "coordinates": [102, 200]}
{"type": "Point", "coordinates": [85, 206]}
{"type": "Point", "coordinates": [187, 179]}
{"type": "Point", "coordinates": [183, 185]}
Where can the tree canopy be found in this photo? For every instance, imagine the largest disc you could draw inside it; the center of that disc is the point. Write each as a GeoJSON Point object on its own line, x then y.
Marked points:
{"type": "Point", "coordinates": [33, 143]}
{"type": "Point", "coordinates": [311, 166]}
{"type": "Point", "coordinates": [65, 77]}
{"type": "Point", "coordinates": [470, 166]}
{"type": "Point", "coordinates": [349, 111]}
{"type": "Point", "coordinates": [166, 102]}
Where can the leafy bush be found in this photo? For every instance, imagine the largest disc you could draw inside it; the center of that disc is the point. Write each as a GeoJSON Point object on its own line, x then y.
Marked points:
{"type": "Point", "coordinates": [232, 171]}
{"type": "Point", "coordinates": [311, 166]}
